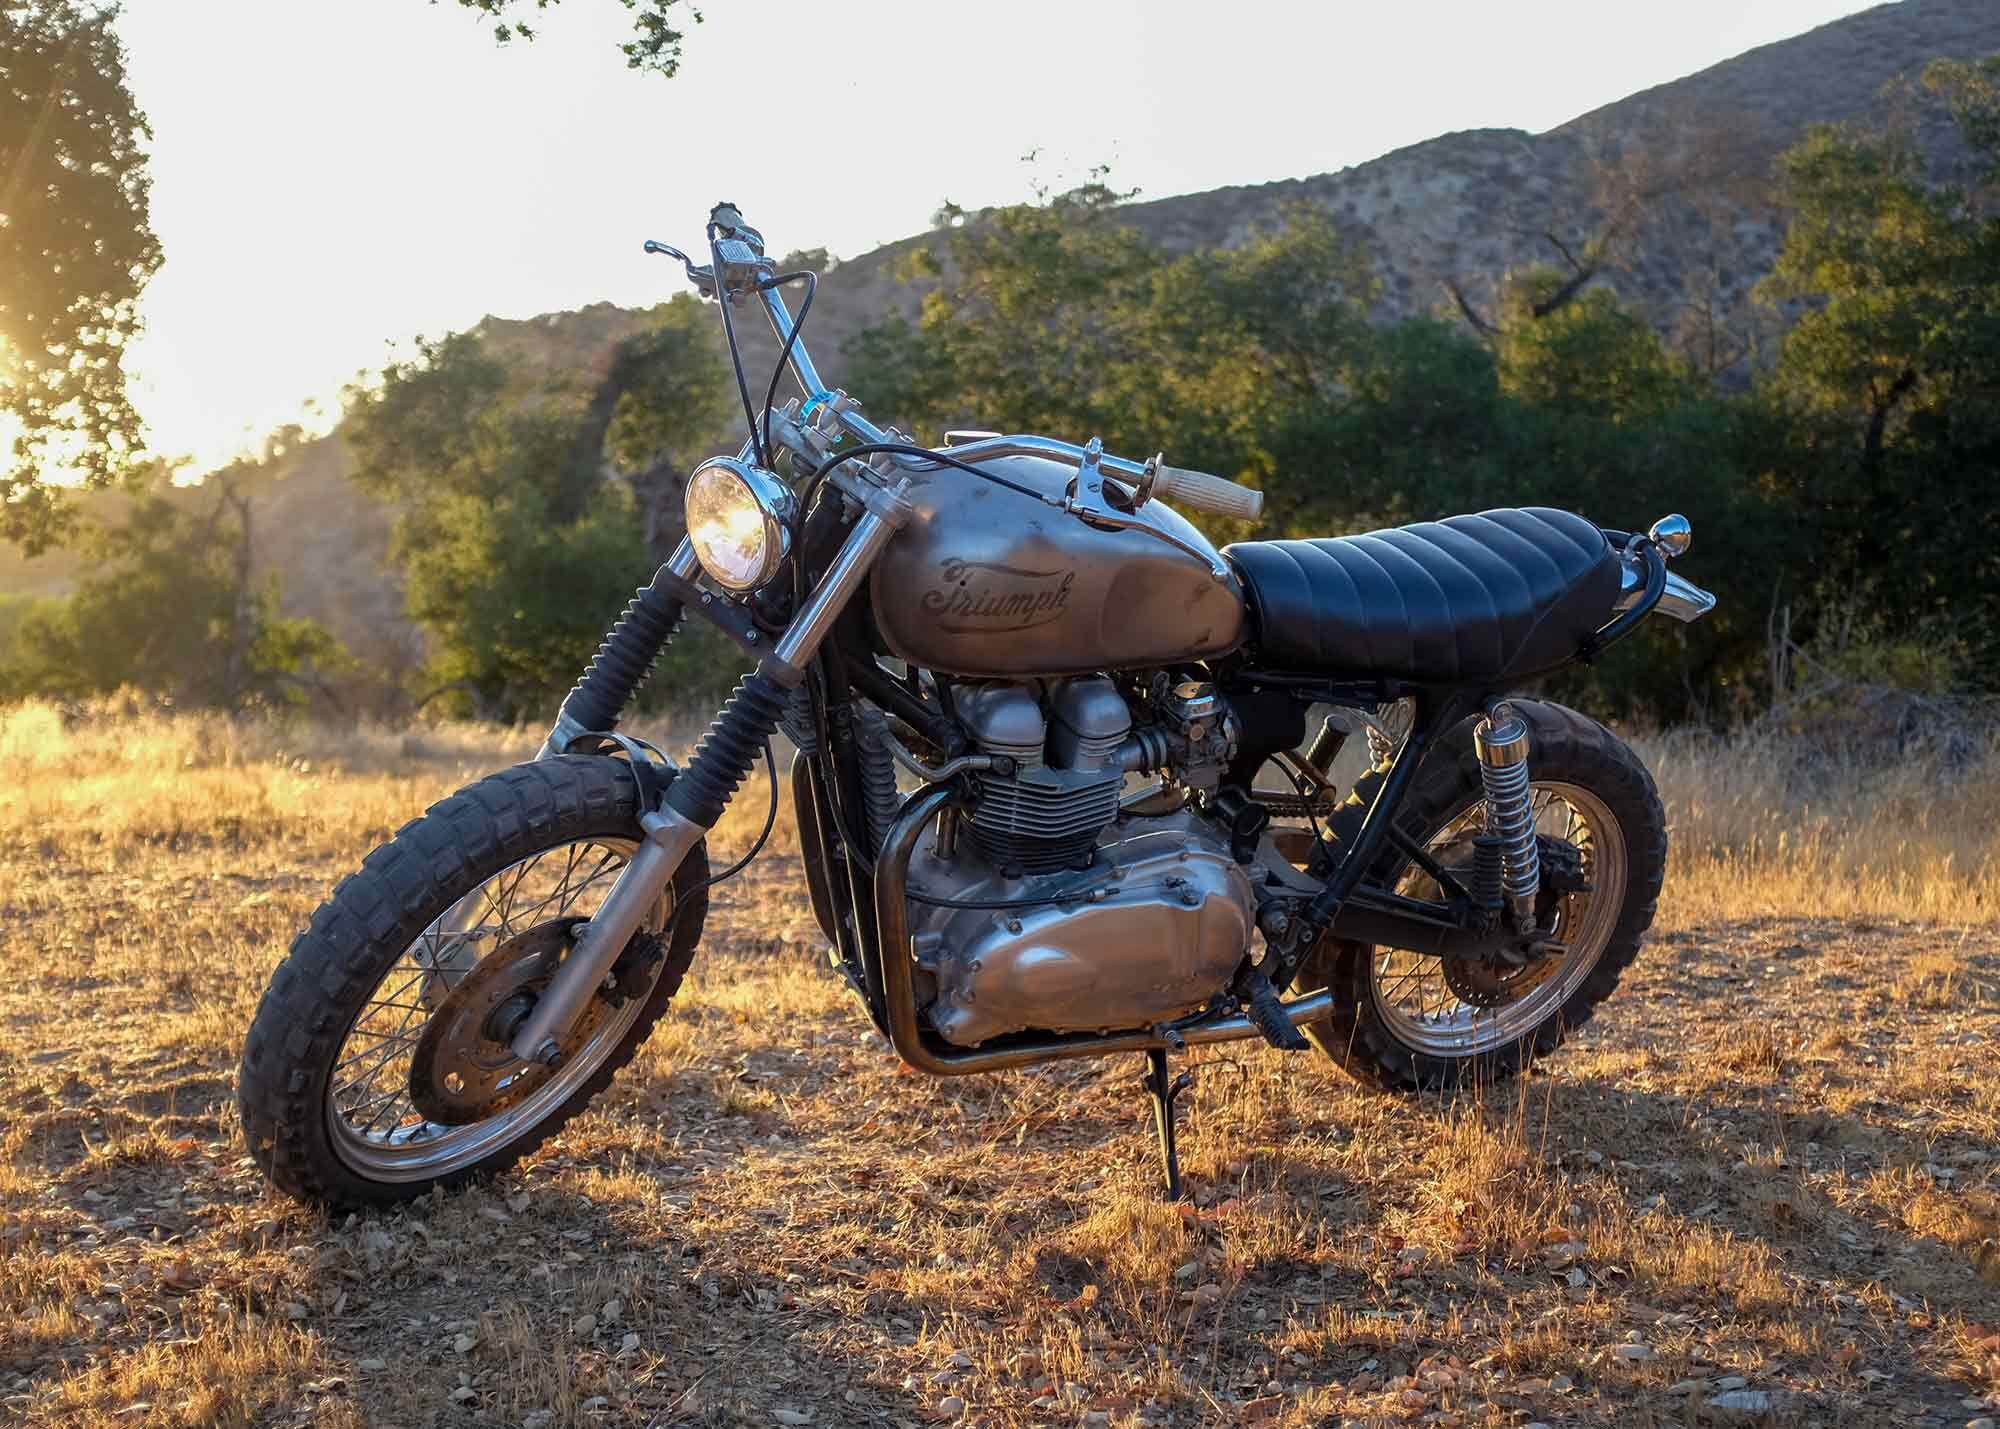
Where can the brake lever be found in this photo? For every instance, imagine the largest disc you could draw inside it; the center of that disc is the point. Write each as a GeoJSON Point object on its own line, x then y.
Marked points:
{"type": "Point", "coordinates": [703, 278]}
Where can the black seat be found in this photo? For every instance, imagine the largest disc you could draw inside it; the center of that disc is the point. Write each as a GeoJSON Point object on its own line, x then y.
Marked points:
{"type": "Point", "coordinates": [1465, 600]}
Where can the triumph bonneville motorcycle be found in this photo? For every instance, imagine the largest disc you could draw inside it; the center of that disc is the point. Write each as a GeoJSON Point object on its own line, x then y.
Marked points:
{"type": "Point", "coordinates": [1084, 692]}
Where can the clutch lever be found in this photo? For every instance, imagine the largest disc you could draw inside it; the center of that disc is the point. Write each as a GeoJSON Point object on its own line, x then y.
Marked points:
{"type": "Point", "coordinates": [703, 278]}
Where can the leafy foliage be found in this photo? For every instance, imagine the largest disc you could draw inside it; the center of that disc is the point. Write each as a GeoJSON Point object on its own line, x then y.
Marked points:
{"type": "Point", "coordinates": [75, 251]}
{"type": "Point", "coordinates": [655, 45]}
{"type": "Point", "coordinates": [1889, 370]}
{"type": "Point", "coordinates": [1869, 449]}
{"type": "Point", "coordinates": [515, 547]}
{"type": "Point", "coordinates": [171, 608]}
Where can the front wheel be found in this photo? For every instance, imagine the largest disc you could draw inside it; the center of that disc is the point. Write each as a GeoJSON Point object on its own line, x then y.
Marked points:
{"type": "Point", "coordinates": [1408, 1022]}
{"type": "Point", "coordinates": [376, 1067]}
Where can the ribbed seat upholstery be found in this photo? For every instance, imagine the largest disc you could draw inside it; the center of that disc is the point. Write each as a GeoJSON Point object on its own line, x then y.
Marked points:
{"type": "Point", "coordinates": [1464, 600]}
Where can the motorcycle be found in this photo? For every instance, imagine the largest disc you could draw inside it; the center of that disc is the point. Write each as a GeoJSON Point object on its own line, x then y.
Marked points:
{"type": "Point", "coordinates": [1084, 691]}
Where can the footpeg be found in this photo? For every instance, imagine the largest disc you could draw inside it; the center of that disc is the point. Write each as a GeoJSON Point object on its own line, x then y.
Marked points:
{"type": "Point", "coordinates": [1267, 1012]}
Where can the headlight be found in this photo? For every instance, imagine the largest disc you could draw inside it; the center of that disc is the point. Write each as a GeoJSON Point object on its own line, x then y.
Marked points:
{"type": "Point", "coordinates": [739, 521]}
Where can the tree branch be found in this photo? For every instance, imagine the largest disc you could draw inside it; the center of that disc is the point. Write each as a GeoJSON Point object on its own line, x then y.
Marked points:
{"type": "Point", "coordinates": [1480, 325]}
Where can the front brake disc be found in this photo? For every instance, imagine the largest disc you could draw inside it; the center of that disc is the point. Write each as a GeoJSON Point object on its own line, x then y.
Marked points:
{"type": "Point", "coordinates": [463, 1070]}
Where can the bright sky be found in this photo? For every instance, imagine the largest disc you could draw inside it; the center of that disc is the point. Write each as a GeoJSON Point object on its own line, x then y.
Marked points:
{"type": "Point", "coordinates": [330, 175]}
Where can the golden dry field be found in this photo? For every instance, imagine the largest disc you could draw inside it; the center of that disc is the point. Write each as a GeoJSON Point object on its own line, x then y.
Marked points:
{"type": "Point", "coordinates": [1763, 1186]}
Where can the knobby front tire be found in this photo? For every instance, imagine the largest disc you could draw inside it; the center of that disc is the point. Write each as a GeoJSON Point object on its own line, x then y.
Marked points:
{"type": "Point", "coordinates": [556, 823]}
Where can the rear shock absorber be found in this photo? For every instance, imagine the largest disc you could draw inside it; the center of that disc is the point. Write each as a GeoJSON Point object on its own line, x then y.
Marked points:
{"type": "Point", "coordinates": [1501, 742]}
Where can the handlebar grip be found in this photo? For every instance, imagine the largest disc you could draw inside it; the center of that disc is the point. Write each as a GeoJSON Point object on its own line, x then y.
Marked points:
{"type": "Point", "coordinates": [1206, 493]}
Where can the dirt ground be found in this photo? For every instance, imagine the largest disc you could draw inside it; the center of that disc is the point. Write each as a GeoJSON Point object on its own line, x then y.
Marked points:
{"type": "Point", "coordinates": [1763, 1187]}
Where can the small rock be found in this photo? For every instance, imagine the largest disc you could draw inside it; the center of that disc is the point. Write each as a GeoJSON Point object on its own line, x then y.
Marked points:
{"type": "Point", "coordinates": [464, 1394]}
{"type": "Point", "coordinates": [1686, 1386]}
{"type": "Point", "coordinates": [1747, 1402]}
{"type": "Point", "coordinates": [1187, 1271]}
{"type": "Point", "coordinates": [586, 1325]}
{"type": "Point", "coordinates": [791, 1416]}
{"type": "Point", "coordinates": [611, 1311]}
{"type": "Point", "coordinates": [1207, 1294]}
{"type": "Point", "coordinates": [494, 1213]}
{"type": "Point", "coordinates": [463, 1344]}
{"type": "Point", "coordinates": [1731, 1381]}
{"type": "Point", "coordinates": [1633, 1352]}
{"type": "Point", "coordinates": [371, 1366]}
{"type": "Point", "coordinates": [960, 1360]}
{"type": "Point", "coordinates": [630, 1344]}
{"type": "Point", "coordinates": [1565, 1253]}
{"type": "Point", "coordinates": [517, 1203]}
{"type": "Point", "coordinates": [296, 1311]}
{"type": "Point", "coordinates": [1983, 1422]}
{"type": "Point", "coordinates": [951, 1406]}
{"type": "Point", "coordinates": [596, 1401]}
{"type": "Point", "coordinates": [538, 1419]}
{"type": "Point", "coordinates": [1561, 1383]}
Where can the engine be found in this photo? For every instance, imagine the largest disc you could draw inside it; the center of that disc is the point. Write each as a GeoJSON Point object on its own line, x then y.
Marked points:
{"type": "Point", "coordinates": [1097, 914]}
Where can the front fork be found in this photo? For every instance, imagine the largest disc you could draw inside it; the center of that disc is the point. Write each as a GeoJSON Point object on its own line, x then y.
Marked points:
{"type": "Point", "coordinates": [694, 801]}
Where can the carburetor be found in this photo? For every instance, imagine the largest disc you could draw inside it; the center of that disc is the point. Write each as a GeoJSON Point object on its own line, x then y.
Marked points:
{"type": "Point", "coordinates": [1203, 731]}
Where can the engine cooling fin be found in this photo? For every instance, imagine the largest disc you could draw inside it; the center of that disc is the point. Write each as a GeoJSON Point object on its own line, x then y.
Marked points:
{"type": "Point", "coordinates": [1042, 820]}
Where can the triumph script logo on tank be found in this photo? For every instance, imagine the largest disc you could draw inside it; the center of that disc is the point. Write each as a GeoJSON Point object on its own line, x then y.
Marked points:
{"type": "Point", "coordinates": [980, 597]}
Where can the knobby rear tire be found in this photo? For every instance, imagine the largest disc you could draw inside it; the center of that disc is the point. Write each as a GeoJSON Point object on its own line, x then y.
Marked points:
{"type": "Point", "coordinates": [377, 913]}
{"type": "Point", "coordinates": [1564, 747]}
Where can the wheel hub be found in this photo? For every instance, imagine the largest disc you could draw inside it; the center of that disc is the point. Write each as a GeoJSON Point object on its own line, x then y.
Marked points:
{"type": "Point", "coordinates": [463, 1070]}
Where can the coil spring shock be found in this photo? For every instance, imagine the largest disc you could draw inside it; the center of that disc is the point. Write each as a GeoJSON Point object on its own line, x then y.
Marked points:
{"type": "Point", "coordinates": [1501, 741]}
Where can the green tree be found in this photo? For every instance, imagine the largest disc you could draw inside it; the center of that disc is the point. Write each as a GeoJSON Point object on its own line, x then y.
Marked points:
{"type": "Point", "coordinates": [655, 45]}
{"type": "Point", "coordinates": [516, 546]}
{"type": "Point", "coordinates": [75, 251]}
{"type": "Point", "coordinates": [171, 607]}
{"type": "Point", "coordinates": [1888, 372]}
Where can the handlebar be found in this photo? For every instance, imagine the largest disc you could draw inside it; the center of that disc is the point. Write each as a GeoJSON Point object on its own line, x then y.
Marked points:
{"type": "Point", "coordinates": [738, 251]}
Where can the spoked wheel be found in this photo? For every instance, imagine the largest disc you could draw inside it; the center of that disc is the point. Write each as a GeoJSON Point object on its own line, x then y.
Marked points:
{"type": "Point", "coordinates": [378, 1065]}
{"type": "Point", "coordinates": [1409, 1021]}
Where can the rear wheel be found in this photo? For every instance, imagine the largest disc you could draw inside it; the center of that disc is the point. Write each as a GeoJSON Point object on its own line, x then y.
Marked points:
{"type": "Point", "coordinates": [1409, 1022]}
{"type": "Point", "coordinates": [377, 1068]}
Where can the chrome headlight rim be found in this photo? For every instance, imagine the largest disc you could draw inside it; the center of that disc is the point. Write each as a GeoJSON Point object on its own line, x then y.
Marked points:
{"type": "Point", "coordinates": [769, 497]}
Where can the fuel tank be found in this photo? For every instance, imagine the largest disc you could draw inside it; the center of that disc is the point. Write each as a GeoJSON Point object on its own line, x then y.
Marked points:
{"type": "Point", "coordinates": [984, 581]}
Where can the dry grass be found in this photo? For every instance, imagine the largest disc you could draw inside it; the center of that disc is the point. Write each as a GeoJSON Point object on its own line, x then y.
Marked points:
{"type": "Point", "coordinates": [1774, 1157]}
{"type": "Point", "coordinates": [1761, 826]}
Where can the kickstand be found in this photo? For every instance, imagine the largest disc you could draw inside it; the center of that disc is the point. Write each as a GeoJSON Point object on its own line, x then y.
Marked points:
{"type": "Point", "coordinates": [1164, 1094]}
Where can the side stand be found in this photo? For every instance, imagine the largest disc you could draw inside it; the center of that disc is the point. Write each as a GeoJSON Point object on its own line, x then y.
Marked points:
{"type": "Point", "coordinates": [1164, 1094]}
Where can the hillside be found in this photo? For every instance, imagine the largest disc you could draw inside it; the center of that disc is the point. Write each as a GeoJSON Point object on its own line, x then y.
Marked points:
{"type": "Point", "coordinates": [1673, 183]}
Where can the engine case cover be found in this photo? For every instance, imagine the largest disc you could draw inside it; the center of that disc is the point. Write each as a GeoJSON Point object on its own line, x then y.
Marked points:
{"type": "Point", "coordinates": [1171, 920]}
{"type": "Point", "coordinates": [988, 582]}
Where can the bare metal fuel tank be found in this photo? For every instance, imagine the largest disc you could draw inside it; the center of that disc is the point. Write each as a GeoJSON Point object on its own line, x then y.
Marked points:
{"type": "Point", "coordinates": [987, 582]}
